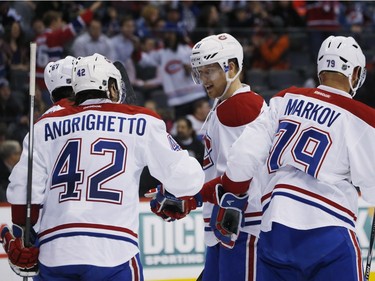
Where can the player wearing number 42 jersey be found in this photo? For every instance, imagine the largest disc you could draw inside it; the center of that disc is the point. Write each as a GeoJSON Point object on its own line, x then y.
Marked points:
{"type": "Point", "coordinates": [88, 159]}
{"type": "Point", "coordinates": [322, 150]}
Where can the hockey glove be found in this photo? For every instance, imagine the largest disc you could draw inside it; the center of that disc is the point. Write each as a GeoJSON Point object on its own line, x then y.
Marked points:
{"type": "Point", "coordinates": [228, 216]}
{"type": "Point", "coordinates": [23, 261]}
{"type": "Point", "coordinates": [169, 207]}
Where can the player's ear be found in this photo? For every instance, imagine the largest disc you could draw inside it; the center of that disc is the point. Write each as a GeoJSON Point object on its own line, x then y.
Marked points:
{"type": "Point", "coordinates": [233, 69]}
{"type": "Point", "coordinates": [113, 91]}
{"type": "Point", "coordinates": [356, 75]}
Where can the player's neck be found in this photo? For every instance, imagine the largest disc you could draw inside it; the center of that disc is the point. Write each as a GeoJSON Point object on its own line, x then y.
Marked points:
{"type": "Point", "coordinates": [335, 80]}
{"type": "Point", "coordinates": [235, 85]}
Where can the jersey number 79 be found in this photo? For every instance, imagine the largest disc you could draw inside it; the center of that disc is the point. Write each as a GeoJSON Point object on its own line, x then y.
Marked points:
{"type": "Point", "coordinates": [308, 147]}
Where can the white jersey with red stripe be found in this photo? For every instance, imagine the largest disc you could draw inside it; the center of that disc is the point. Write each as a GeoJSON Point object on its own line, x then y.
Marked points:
{"type": "Point", "coordinates": [225, 124]}
{"type": "Point", "coordinates": [87, 163]}
{"type": "Point", "coordinates": [322, 151]}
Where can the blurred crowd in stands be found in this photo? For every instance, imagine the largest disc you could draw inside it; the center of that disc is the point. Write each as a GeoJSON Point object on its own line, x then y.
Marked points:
{"type": "Point", "coordinates": [153, 39]}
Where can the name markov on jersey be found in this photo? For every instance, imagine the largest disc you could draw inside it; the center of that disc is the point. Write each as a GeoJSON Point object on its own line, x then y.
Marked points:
{"type": "Point", "coordinates": [311, 111]}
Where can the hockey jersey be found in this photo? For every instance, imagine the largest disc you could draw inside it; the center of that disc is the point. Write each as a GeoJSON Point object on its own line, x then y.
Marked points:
{"type": "Point", "coordinates": [225, 124]}
{"type": "Point", "coordinates": [315, 148]}
{"type": "Point", "coordinates": [87, 163]}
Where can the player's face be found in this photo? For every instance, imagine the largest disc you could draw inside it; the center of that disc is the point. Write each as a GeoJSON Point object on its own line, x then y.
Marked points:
{"type": "Point", "coordinates": [213, 79]}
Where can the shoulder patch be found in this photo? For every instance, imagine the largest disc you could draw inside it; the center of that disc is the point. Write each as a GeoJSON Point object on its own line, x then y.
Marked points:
{"type": "Point", "coordinates": [240, 109]}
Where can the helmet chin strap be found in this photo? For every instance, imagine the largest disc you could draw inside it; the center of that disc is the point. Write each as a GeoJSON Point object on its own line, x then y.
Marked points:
{"type": "Point", "coordinates": [353, 91]}
{"type": "Point", "coordinates": [229, 82]}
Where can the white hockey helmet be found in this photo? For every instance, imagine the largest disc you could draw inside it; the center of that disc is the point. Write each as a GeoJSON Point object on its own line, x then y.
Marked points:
{"type": "Point", "coordinates": [59, 73]}
{"type": "Point", "coordinates": [216, 49]}
{"type": "Point", "coordinates": [93, 73]}
{"type": "Point", "coordinates": [342, 54]}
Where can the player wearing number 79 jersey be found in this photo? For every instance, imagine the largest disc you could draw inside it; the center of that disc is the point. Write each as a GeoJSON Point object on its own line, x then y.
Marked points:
{"type": "Point", "coordinates": [88, 159]}
{"type": "Point", "coordinates": [322, 150]}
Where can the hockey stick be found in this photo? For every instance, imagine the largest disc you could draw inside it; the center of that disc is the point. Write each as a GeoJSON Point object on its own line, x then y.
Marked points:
{"type": "Point", "coordinates": [369, 253]}
{"type": "Point", "coordinates": [200, 276]}
{"type": "Point", "coordinates": [31, 146]}
{"type": "Point", "coordinates": [130, 98]}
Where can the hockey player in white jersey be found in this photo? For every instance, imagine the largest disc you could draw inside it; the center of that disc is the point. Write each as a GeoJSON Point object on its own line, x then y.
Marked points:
{"type": "Point", "coordinates": [231, 248]}
{"type": "Point", "coordinates": [87, 163]}
{"type": "Point", "coordinates": [322, 149]}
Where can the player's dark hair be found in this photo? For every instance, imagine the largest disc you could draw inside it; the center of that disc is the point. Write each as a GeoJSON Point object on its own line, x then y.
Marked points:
{"type": "Point", "coordinates": [62, 93]}
{"type": "Point", "coordinates": [88, 95]}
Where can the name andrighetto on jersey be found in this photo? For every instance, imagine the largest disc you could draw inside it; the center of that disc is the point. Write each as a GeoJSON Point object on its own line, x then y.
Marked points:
{"type": "Point", "coordinates": [93, 122]}
{"type": "Point", "coordinates": [311, 111]}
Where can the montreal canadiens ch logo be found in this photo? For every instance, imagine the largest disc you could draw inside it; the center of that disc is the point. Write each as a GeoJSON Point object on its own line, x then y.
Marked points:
{"type": "Point", "coordinates": [173, 66]}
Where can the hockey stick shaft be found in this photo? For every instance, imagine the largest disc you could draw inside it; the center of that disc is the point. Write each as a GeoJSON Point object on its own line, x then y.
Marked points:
{"type": "Point", "coordinates": [369, 253]}
{"type": "Point", "coordinates": [31, 145]}
{"type": "Point", "coordinates": [200, 276]}
{"type": "Point", "coordinates": [130, 94]}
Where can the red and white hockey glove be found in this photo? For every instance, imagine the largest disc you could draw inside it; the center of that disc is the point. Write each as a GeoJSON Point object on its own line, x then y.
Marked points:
{"type": "Point", "coordinates": [228, 216]}
{"type": "Point", "coordinates": [23, 261]}
{"type": "Point", "coordinates": [169, 207]}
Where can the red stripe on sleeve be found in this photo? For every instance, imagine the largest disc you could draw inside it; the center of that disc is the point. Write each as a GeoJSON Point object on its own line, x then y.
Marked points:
{"type": "Point", "coordinates": [235, 187]}
{"type": "Point", "coordinates": [19, 214]}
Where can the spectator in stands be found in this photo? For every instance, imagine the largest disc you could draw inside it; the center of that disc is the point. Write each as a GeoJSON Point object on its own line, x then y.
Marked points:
{"type": "Point", "coordinates": [8, 14]}
{"type": "Point", "coordinates": [174, 63]}
{"type": "Point", "coordinates": [239, 21]}
{"type": "Point", "coordinates": [201, 109]}
{"type": "Point", "coordinates": [125, 42]}
{"type": "Point", "coordinates": [147, 22]}
{"type": "Point", "coordinates": [50, 44]}
{"type": "Point", "coordinates": [287, 13]}
{"type": "Point", "coordinates": [322, 20]}
{"type": "Point", "coordinates": [189, 12]}
{"type": "Point", "coordinates": [10, 152]}
{"type": "Point", "coordinates": [148, 81]}
{"type": "Point", "coordinates": [187, 139]}
{"type": "Point", "coordinates": [26, 9]}
{"type": "Point", "coordinates": [10, 107]}
{"type": "Point", "coordinates": [259, 13]}
{"type": "Point", "coordinates": [37, 27]}
{"type": "Point", "coordinates": [18, 130]}
{"type": "Point", "coordinates": [93, 41]}
{"type": "Point", "coordinates": [173, 18]}
{"type": "Point", "coordinates": [271, 46]}
{"type": "Point", "coordinates": [209, 22]}
{"type": "Point", "coordinates": [151, 104]}
{"type": "Point", "coordinates": [111, 22]}
{"type": "Point", "coordinates": [16, 50]}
